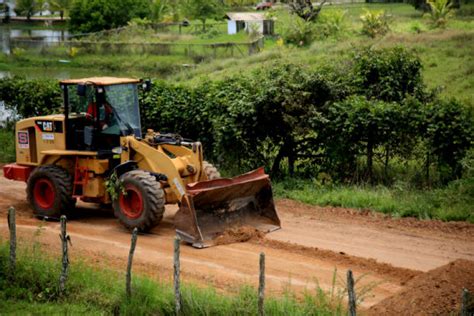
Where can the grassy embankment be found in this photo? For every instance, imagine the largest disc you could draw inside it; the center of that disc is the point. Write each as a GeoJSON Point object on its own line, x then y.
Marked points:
{"type": "Point", "coordinates": [452, 203]}
{"type": "Point", "coordinates": [97, 291]}
{"type": "Point", "coordinates": [446, 53]}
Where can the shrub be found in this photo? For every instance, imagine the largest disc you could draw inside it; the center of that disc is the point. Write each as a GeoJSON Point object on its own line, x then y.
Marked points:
{"type": "Point", "coordinates": [388, 74]}
{"type": "Point", "coordinates": [30, 97]}
{"type": "Point", "coordinates": [449, 133]}
{"type": "Point", "coordinates": [97, 15]}
{"type": "Point", "coordinates": [7, 151]}
{"type": "Point", "coordinates": [299, 32]}
{"type": "Point", "coordinates": [440, 12]}
{"type": "Point", "coordinates": [332, 23]}
{"type": "Point", "coordinates": [374, 23]}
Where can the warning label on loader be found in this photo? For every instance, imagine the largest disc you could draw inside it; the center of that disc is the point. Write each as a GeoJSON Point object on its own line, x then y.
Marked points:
{"type": "Point", "coordinates": [23, 139]}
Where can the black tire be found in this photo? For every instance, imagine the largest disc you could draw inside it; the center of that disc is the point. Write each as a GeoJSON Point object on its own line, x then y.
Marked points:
{"type": "Point", "coordinates": [49, 192]}
{"type": "Point", "coordinates": [210, 171]}
{"type": "Point", "coordinates": [151, 201]}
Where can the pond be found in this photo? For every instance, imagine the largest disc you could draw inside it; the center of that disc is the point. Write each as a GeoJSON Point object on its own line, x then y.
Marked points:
{"type": "Point", "coordinates": [8, 32]}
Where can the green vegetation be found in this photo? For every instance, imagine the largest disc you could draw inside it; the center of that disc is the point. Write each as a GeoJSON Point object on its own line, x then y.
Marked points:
{"type": "Point", "coordinates": [352, 122]}
{"type": "Point", "coordinates": [440, 12]}
{"type": "Point", "coordinates": [34, 289]}
{"type": "Point", "coordinates": [312, 105]}
{"type": "Point", "coordinates": [202, 10]}
{"type": "Point", "coordinates": [453, 203]}
{"type": "Point", "coordinates": [7, 149]}
{"type": "Point", "coordinates": [96, 15]}
{"type": "Point", "coordinates": [26, 8]}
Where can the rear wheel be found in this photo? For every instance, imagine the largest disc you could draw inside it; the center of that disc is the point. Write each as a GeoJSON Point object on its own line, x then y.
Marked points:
{"type": "Point", "coordinates": [49, 192]}
{"type": "Point", "coordinates": [210, 171]}
{"type": "Point", "coordinates": [141, 203]}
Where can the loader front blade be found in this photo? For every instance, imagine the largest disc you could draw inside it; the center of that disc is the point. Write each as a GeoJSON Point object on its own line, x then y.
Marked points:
{"type": "Point", "coordinates": [210, 208]}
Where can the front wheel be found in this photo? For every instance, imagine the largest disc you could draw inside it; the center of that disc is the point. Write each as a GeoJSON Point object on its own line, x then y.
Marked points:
{"type": "Point", "coordinates": [141, 202]}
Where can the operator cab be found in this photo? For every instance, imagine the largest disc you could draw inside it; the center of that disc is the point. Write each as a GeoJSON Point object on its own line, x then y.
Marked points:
{"type": "Point", "coordinates": [99, 110]}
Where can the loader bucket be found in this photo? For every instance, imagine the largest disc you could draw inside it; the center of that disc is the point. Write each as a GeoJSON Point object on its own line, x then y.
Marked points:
{"type": "Point", "coordinates": [210, 208]}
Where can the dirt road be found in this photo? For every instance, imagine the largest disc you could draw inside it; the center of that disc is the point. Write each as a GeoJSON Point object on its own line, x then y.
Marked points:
{"type": "Point", "coordinates": [306, 251]}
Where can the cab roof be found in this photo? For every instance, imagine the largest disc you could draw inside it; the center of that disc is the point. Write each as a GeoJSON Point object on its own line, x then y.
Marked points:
{"type": "Point", "coordinates": [100, 81]}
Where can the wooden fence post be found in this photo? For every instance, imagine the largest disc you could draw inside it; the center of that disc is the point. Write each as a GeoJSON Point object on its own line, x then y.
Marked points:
{"type": "Point", "coordinates": [261, 286]}
{"type": "Point", "coordinates": [129, 265]}
{"type": "Point", "coordinates": [176, 266]}
{"type": "Point", "coordinates": [466, 307]}
{"type": "Point", "coordinates": [351, 293]}
{"type": "Point", "coordinates": [65, 262]}
{"type": "Point", "coordinates": [12, 228]}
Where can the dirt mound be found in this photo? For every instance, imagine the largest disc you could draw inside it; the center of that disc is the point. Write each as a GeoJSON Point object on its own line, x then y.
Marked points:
{"type": "Point", "coordinates": [240, 234]}
{"type": "Point", "coordinates": [436, 292]}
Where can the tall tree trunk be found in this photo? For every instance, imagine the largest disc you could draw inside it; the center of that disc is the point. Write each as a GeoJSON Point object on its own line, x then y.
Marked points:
{"type": "Point", "coordinates": [427, 168]}
{"type": "Point", "coordinates": [387, 158]}
{"type": "Point", "coordinates": [276, 163]}
{"type": "Point", "coordinates": [370, 156]}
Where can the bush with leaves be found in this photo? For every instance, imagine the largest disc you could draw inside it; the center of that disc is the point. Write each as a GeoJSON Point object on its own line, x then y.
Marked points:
{"type": "Point", "coordinates": [358, 127]}
{"type": "Point", "coordinates": [388, 74]}
{"type": "Point", "coordinates": [30, 97]}
{"type": "Point", "coordinates": [97, 15]}
{"type": "Point", "coordinates": [440, 12]}
{"type": "Point", "coordinates": [332, 23]}
{"type": "Point", "coordinates": [299, 32]}
{"type": "Point", "coordinates": [374, 23]}
{"type": "Point", "coordinates": [450, 134]}
{"type": "Point", "coordinates": [26, 8]}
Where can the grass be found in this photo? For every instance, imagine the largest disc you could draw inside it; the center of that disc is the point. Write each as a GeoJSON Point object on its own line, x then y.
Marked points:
{"type": "Point", "coordinates": [96, 291]}
{"type": "Point", "coordinates": [446, 54]}
{"type": "Point", "coordinates": [452, 203]}
{"type": "Point", "coordinates": [7, 148]}
{"type": "Point", "coordinates": [91, 64]}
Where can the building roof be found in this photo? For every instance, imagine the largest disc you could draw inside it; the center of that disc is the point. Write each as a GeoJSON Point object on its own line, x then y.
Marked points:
{"type": "Point", "coordinates": [246, 16]}
{"type": "Point", "coordinates": [100, 81]}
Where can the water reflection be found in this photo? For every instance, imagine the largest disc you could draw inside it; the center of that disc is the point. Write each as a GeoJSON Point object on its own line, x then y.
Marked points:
{"type": "Point", "coordinates": [43, 36]}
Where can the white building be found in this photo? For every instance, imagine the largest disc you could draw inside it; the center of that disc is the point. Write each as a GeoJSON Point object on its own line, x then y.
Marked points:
{"type": "Point", "coordinates": [249, 21]}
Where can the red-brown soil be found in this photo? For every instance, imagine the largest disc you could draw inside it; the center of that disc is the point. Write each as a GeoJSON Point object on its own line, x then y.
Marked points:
{"type": "Point", "coordinates": [239, 234]}
{"type": "Point", "coordinates": [304, 254]}
{"type": "Point", "coordinates": [436, 292]}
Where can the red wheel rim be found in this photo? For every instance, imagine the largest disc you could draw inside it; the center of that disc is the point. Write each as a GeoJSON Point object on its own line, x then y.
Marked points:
{"type": "Point", "coordinates": [131, 203]}
{"type": "Point", "coordinates": [44, 194]}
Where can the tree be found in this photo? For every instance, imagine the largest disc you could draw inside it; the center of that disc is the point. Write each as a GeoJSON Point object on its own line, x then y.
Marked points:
{"type": "Point", "coordinates": [202, 10]}
{"type": "Point", "coordinates": [97, 15]}
{"type": "Point", "coordinates": [26, 8]}
{"type": "Point", "coordinates": [159, 8]}
{"type": "Point", "coordinates": [305, 10]}
{"type": "Point", "coordinates": [60, 5]}
{"type": "Point", "coordinates": [440, 12]}
{"type": "Point", "coordinates": [41, 5]}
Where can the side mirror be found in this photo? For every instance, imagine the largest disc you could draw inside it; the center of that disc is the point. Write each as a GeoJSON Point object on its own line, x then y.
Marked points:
{"type": "Point", "coordinates": [146, 85]}
{"type": "Point", "coordinates": [81, 90]}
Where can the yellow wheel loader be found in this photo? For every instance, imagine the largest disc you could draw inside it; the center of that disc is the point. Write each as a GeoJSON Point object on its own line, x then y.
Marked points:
{"type": "Point", "coordinates": [95, 152]}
